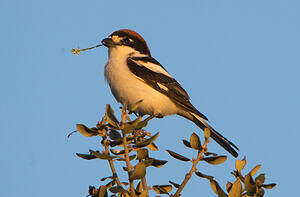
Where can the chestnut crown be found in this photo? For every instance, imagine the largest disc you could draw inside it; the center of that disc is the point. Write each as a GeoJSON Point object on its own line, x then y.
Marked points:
{"type": "Point", "coordinates": [127, 37]}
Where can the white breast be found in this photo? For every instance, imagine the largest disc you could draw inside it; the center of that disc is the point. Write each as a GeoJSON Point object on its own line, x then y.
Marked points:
{"type": "Point", "coordinates": [128, 88]}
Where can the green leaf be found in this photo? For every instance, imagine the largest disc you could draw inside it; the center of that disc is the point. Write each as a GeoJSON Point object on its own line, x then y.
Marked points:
{"type": "Point", "coordinates": [117, 189]}
{"type": "Point", "coordinates": [158, 163]}
{"type": "Point", "coordinates": [102, 156]}
{"type": "Point", "coordinates": [139, 171]}
{"type": "Point", "coordinates": [116, 143]}
{"type": "Point", "coordinates": [110, 184]}
{"type": "Point", "coordinates": [239, 165]}
{"type": "Point", "coordinates": [177, 156]}
{"type": "Point", "coordinates": [110, 117]}
{"type": "Point", "coordinates": [120, 142]}
{"type": "Point", "coordinates": [260, 179]}
{"type": "Point", "coordinates": [215, 160]}
{"type": "Point", "coordinates": [142, 154]}
{"type": "Point", "coordinates": [143, 193]}
{"type": "Point", "coordinates": [86, 131]}
{"type": "Point", "coordinates": [236, 189]}
{"type": "Point", "coordinates": [174, 184]}
{"type": "Point", "coordinates": [162, 189]}
{"type": "Point", "coordinates": [114, 135]}
{"type": "Point", "coordinates": [109, 177]}
{"type": "Point", "coordinates": [86, 156]}
{"type": "Point", "coordinates": [187, 143]}
{"type": "Point", "coordinates": [92, 190]}
{"type": "Point", "coordinates": [254, 170]}
{"type": "Point", "coordinates": [102, 192]}
{"type": "Point", "coordinates": [146, 142]}
{"type": "Point", "coordinates": [249, 185]}
{"type": "Point", "coordinates": [204, 176]}
{"type": "Point", "coordinates": [228, 186]}
{"type": "Point", "coordinates": [209, 154]}
{"type": "Point", "coordinates": [141, 124]}
{"type": "Point", "coordinates": [131, 157]}
{"type": "Point", "coordinates": [137, 124]}
{"type": "Point", "coordinates": [217, 189]}
{"type": "Point", "coordinates": [118, 152]}
{"type": "Point", "coordinates": [123, 194]}
{"type": "Point", "coordinates": [148, 162]}
{"type": "Point", "coordinates": [206, 133]}
{"type": "Point", "coordinates": [152, 147]}
{"type": "Point", "coordinates": [139, 187]}
{"type": "Point", "coordinates": [129, 127]}
{"type": "Point", "coordinates": [195, 142]}
{"type": "Point", "coordinates": [260, 193]}
{"type": "Point", "coordinates": [214, 185]}
{"type": "Point", "coordinates": [269, 186]}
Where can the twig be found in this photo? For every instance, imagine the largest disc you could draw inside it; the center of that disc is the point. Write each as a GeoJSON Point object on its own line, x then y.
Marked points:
{"type": "Point", "coordinates": [145, 187]}
{"type": "Point", "coordinates": [111, 163]}
{"type": "Point", "coordinates": [144, 183]}
{"type": "Point", "coordinates": [193, 168]}
{"type": "Point", "coordinates": [129, 166]}
{"type": "Point", "coordinates": [76, 51]}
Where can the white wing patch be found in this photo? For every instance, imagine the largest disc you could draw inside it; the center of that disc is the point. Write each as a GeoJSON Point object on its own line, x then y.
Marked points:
{"type": "Point", "coordinates": [162, 87]}
{"type": "Point", "coordinates": [154, 67]}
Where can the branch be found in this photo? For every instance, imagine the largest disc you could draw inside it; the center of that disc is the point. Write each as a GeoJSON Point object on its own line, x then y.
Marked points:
{"type": "Point", "coordinates": [129, 166]}
{"type": "Point", "coordinates": [105, 144]}
{"type": "Point", "coordinates": [193, 168]}
{"type": "Point", "coordinates": [145, 187]}
{"type": "Point", "coordinates": [111, 163]}
{"type": "Point", "coordinates": [144, 183]}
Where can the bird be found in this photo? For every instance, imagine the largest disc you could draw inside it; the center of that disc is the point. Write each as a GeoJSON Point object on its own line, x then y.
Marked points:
{"type": "Point", "coordinates": [134, 75]}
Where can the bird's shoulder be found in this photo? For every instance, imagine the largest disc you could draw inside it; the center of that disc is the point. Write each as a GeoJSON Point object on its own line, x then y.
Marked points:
{"type": "Point", "coordinates": [153, 73]}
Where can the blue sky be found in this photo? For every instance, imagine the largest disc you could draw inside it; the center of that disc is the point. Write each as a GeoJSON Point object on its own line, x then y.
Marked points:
{"type": "Point", "coordinates": [239, 61]}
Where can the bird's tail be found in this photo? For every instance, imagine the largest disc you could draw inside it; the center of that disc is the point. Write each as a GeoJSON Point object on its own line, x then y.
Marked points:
{"type": "Point", "coordinates": [221, 140]}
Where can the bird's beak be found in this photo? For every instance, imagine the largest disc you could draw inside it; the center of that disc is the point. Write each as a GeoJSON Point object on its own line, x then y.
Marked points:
{"type": "Point", "coordinates": [108, 42]}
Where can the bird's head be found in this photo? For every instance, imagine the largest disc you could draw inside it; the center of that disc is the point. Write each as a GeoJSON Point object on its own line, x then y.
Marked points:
{"type": "Point", "coordinates": [126, 42]}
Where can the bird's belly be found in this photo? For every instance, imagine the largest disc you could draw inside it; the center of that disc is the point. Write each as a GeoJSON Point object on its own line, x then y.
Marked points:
{"type": "Point", "coordinates": [129, 89]}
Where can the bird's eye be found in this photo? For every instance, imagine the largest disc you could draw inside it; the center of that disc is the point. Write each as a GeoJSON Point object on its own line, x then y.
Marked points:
{"type": "Point", "coordinates": [126, 40]}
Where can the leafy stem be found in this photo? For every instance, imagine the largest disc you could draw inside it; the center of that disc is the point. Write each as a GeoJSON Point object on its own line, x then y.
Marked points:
{"type": "Point", "coordinates": [130, 134]}
{"type": "Point", "coordinates": [111, 162]}
{"type": "Point", "coordinates": [128, 164]}
{"type": "Point", "coordinates": [193, 168]}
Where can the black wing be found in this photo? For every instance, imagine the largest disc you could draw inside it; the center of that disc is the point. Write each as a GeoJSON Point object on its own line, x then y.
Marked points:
{"type": "Point", "coordinates": [143, 68]}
